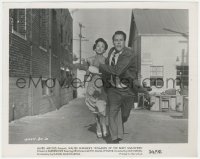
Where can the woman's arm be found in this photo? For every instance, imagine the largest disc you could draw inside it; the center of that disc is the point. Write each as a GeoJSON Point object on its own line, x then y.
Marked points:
{"type": "Point", "coordinates": [86, 75]}
{"type": "Point", "coordinates": [86, 66]}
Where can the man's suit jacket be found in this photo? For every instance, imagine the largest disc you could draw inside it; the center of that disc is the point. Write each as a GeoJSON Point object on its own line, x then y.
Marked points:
{"type": "Point", "coordinates": [125, 68]}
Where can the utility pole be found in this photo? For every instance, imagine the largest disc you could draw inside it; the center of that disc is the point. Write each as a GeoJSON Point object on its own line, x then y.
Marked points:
{"type": "Point", "coordinates": [81, 38]}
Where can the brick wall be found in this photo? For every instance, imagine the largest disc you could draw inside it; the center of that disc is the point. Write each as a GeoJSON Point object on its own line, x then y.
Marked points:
{"type": "Point", "coordinates": [40, 62]}
{"type": "Point", "coordinates": [40, 52]}
{"type": "Point", "coordinates": [19, 57]}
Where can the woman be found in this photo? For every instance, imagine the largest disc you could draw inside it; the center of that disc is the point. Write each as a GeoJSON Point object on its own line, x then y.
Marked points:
{"type": "Point", "coordinates": [96, 99]}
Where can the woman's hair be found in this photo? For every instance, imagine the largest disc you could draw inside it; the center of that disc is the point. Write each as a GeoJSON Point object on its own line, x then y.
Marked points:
{"type": "Point", "coordinates": [100, 40]}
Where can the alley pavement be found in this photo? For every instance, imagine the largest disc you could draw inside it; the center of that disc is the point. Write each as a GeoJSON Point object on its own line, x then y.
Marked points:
{"type": "Point", "coordinates": [75, 124]}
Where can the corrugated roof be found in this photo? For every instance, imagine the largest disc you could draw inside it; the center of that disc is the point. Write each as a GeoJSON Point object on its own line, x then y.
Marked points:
{"type": "Point", "coordinates": [161, 21]}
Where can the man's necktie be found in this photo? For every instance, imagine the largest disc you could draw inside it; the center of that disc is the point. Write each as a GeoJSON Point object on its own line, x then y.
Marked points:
{"type": "Point", "coordinates": [113, 60]}
{"type": "Point", "coordinates": [113, 64]}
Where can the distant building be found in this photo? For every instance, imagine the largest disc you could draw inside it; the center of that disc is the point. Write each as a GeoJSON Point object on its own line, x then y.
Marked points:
{"type": "Point", "coordinates": [40, 47]}
{"type": "Point", "coordinates": [160, 40]}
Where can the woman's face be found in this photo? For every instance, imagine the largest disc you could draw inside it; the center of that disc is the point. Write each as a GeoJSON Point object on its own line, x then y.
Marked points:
{"type": "Point", "coordinates": [100, 48]}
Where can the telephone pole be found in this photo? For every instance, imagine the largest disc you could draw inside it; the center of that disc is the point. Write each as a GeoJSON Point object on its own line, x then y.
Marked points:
{"type": "Point", "coordinates": [81, 38]}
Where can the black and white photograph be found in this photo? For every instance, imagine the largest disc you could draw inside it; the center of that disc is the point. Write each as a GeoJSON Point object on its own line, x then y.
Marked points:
{"type": "Point", "coordinates": [99, 76]}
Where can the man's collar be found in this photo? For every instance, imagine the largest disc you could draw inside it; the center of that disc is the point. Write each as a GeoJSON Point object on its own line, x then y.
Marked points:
{"type": "Point", "coordinates": [117, 53]}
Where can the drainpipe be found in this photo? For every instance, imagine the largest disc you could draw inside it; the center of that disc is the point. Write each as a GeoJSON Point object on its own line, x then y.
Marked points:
{"type": "Point", "coordinates": [31, 58]}
{"type": "Point", "coordinates": [50, 21]}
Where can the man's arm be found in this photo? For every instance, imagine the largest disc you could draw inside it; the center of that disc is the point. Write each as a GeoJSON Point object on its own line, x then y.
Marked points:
{"type": "Point", "coordinates": [122, 65]}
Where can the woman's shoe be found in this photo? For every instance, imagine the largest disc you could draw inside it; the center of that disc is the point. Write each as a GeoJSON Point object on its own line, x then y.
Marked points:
{"type": "Point", "coordinates": [105, 132]}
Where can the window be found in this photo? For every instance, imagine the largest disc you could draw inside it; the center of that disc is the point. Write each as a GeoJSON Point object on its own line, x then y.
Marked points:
{"type": "Point", "coordinates": [18, 22]}
{"type": "Point", "coordinates": [158, 82]}
{"type": "Point", "coordinates": [157, 71]}
{"type": "Point", "coordinates": [182, 74]}
{"type": "Point", "coordinates": [156, 76]}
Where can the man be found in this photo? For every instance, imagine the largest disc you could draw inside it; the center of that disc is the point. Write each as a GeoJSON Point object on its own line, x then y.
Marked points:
{"type": "Point", "coordinates": [120, 69]}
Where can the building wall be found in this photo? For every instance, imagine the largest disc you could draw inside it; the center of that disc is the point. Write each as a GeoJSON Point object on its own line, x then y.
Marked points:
{"type": "Point", "coordinates": [43, 103]}
{"type": "Point", "coordinates": [65, 27]}
{"type": "Point", "coordinates": [36, 50]}
{"type": "Point", "coordinates": [19, 67]}
{"type": "Point", "coordinates": [67, 95]}
{"type": "Point", "coordinates": [19, 100]}
{"type": "Point", "coordinates": [161, 51]}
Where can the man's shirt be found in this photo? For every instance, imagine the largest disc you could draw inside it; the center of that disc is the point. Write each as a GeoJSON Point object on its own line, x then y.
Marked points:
{"type": "Point", "coordinates": [118, 83]}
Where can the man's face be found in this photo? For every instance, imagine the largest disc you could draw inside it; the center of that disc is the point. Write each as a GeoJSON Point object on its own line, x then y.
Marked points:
{"type": "Point", "coordinates": [119, 42]}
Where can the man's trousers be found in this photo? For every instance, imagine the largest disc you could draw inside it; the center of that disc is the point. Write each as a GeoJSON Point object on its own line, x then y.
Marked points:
{"type": "Point", "coordinates": [120, 102]}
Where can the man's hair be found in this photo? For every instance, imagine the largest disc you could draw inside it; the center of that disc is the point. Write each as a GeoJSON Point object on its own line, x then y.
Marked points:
{"type": "Point", "coordinates": [100, 40]}
{"type": "Point", "coordinates": [119, 33]}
